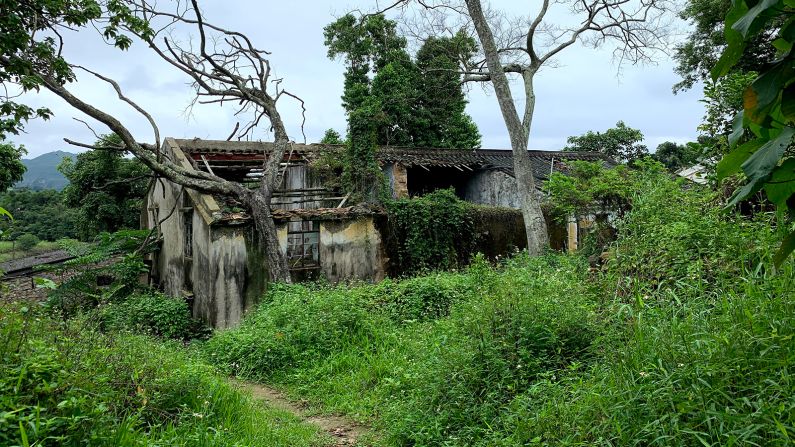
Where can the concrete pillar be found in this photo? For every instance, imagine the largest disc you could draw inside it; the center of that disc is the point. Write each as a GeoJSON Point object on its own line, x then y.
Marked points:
{"type": "Point", "coordinates": [400, 178]}
{"type": "Point", "coordinates": [572, 233]}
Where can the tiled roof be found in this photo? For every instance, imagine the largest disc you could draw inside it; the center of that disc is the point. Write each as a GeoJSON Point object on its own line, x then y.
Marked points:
{"type": "Point", "coordinates": [21, 265]}
{"type": "Point", "coordinates": [543, 161]}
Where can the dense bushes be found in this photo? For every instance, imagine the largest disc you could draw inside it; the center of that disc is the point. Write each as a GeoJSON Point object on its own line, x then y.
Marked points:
{"type": "Point", "coordinates": [434, 231]}
{"type": "Point", "coordinates": [67, 384]}
{"type": "Point", "coordinates": [684, 337]}
{"type": "Point", "coordinates": [439, 356]}
{"type": "Point", "coordinates": [154, 314]}
{"type": "Point", "coordinates": [297, 324]}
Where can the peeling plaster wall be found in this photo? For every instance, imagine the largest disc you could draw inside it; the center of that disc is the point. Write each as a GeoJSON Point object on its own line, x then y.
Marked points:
{"type": "Point", "coordinates": [397, 176]}
{"type": "Point", "coordinates": [494, 188]}
{"type": "Point", "coordinates": [351, 250]}
{"type": "Point", "coordinates": [168, 268]}
{"type": "Point", "coordinates": [229, 274]}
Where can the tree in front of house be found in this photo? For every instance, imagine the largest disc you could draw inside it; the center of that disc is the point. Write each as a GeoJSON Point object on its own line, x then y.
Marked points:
{"type": "Point", "coordinates": [223, 67]}
{"type": "Point", "coordinates": [676, 156]}
{"type": "Point", "coordinates": [522, 45]}
{"type": "Point", "coordinates": [106, 188]}
{"type": "Point", "coordinates": [621, 143]}
{"type": "Point", "coordinates": [394, 100]}
{"type": "Point", "coordinates": [332, 137]}
{"type": "Point", "coordinates": [11, 167]}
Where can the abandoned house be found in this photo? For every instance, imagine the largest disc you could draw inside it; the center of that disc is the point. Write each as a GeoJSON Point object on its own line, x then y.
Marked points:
{"type": "Point", "coordinates": [208, 254]}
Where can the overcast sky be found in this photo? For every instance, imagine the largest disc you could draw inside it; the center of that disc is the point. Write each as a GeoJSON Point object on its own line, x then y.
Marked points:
{"type": "Point", "coordinates": [584, 93]}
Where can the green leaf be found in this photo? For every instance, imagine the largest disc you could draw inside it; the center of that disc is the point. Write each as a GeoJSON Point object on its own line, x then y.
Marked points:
{"type": "Point", "coordinates": [44, 283]}
{"type": "Point", "coordinates": [759, 166]}
{"type": "Point", "coordinates": [787, 247]}
{"type": "Point", "coordinates": [761, 95]}
{"type": "Point", "coordinates": [731, 162]}
{"type": "Point", "coordinates": [782, 183]}
{"type": "Point", "coordinates": [782, 45]}
{"type": "Point", "coordinates": [788, 104]}
{"type": "Point", "coordinates": [748, 24]}
{"type": "Point", "coordinates": [738, 128]}
{"type": "Point", "coordinates": [3, 212]}
{"type": "Point", "coordinates": [762, 162]}
{"type": "Point", "coordinates": [734, 39]}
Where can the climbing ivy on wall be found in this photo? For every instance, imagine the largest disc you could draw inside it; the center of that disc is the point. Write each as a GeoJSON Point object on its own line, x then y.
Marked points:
{"type": "Point", "coordinates": [435, 231]}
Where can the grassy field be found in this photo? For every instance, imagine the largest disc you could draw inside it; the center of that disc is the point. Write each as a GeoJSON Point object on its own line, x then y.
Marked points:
{"type": "Point", "coordinates": [69, 384]}
{"type": "Point", "coordinates": [686, 337]}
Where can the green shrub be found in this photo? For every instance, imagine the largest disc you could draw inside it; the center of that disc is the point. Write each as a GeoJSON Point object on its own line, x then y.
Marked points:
{"type": "Point", "coordinates": [421, 298]}
{"type": "Point", "coordinates": [517, 327]}
{"type": "Point", "coordinates": [294, 324]}
{"type": "Point", "coordinates": [154, 314]}
{"type": "Point", "coordinates": [431, 232]}
{"type": "Point", "coordinates": [27, 241]}
{"type": "Point", "coordinates": [68, 384]}
{"type": "Point", "coordinates": [678, 236]}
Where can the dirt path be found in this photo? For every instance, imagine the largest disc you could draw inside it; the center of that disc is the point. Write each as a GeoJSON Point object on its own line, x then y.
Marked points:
{"type": "Point", "coordinates": [344, 432]}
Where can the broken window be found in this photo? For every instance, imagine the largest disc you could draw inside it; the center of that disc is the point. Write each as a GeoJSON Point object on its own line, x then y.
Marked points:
{"type": "Point", "coordinates": [303, 240]}
{"type": "Point", "coordinates": [187, 219]}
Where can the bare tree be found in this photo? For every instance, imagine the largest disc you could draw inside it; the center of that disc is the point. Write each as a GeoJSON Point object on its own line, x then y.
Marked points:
{"type": "Point", "coordinates": [224, 67]}
{"type": "Point", "coordinates": [522, 46]}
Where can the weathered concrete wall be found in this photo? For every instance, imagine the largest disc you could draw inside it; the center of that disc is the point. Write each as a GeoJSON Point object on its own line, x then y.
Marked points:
{"type": "Point", "coordinates": [492, 187]}
{"type": "Point", "coordinates": [168, 263]}
{"type": "Point", "coordinates": [499, 231]}
{"type": "Point", "coordinates": [348, 249]}
{"type": "Point", "coordinates": [233, 278]}
{"type": "Point", "coordinates": [351, 250]}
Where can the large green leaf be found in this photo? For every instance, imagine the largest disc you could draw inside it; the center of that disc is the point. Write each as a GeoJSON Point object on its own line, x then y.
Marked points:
{"type": "Point", "coordinates": [734, 39]}
{"type": "Point", "coordinates": [738, 128]}
{"type": "Point", "coordinates": [787, 247]}
{"type": "Point", "coordinates": [3, 212]}
{"type": "Point", "coordinates": [782, 183]}
{"type": "Point", "coordinates": [748, 24]}
{"type": "Point", "coordinates": [788, 104]}
{"type": "Point", "coordinates": [731, 162]}
{"type": "Point", "coordinates": [760, 165]}
{"type": "Point", "coordinates": [762, 162]}
{"type": "Point", "coordinates": [761, 95]}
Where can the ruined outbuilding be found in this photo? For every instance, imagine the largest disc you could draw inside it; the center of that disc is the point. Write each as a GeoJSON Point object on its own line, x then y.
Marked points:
{"type": "Point", "coordinates": [209, 255]}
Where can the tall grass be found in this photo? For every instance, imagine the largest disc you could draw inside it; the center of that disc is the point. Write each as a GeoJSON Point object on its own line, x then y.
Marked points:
{"type": "Point", "coordinates": [685, 337]}
{"type": "Point", "coordinates": [68, 384]}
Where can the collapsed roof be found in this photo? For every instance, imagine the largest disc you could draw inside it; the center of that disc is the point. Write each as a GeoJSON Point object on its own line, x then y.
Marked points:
{"type": "Point", "coordinates": [241, 160]}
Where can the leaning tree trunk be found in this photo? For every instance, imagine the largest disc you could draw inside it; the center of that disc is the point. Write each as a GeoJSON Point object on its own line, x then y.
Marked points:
{"type": "Point", "coordinates": [260, 205]}
{"type": "Point", "coordinates": [267, 237]}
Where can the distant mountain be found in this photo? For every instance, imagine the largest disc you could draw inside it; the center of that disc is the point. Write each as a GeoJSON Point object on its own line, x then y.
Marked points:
{"type": "Point", "coordinates": [42, 171]}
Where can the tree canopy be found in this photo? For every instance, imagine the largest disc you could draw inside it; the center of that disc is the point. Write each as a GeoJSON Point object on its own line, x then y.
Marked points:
{"type": "Point", "coordinates": [622, 143]}
{"type": "Point", "coordinates": [676, 156]}
{"type": "Point", "coordinates": [415, 102]}
{"type": "Point", "coordinates": [11, 167]}
{"type": "Point", "coordinates": [41, 213]}
{"type": "Point", "coordinates": [700, 51]}
{"type": "Point", "coordinates": [106, 189]}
